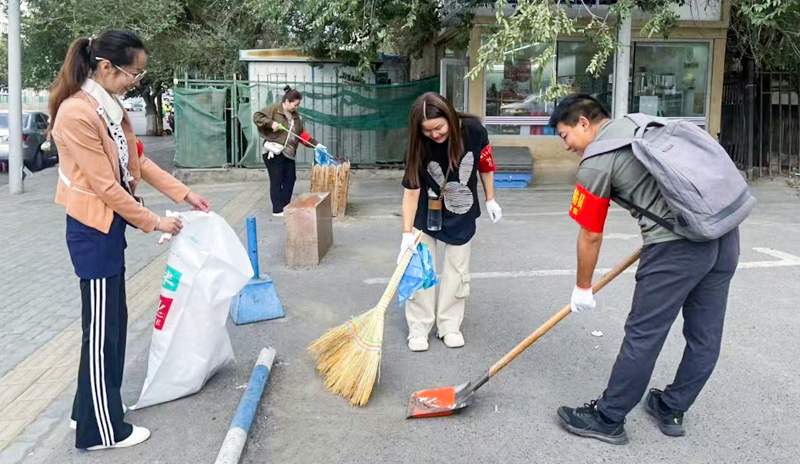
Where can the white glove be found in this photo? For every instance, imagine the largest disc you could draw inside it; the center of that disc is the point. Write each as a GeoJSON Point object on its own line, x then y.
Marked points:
{"type": "Point", "coordinates": [270, 155]}
{"type": "Point", "coordinates": [582, 300]}
{"type": "Point", "coordinates": [495, 213]}
{"type": "Point", "coordinates": [407, 243]}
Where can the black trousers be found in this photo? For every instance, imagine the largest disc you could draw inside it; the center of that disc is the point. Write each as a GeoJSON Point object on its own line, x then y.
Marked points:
{"type": "Point", "coordinates": [98, 403]}
{"type": "Point", "coordinates": [691, 276]}
{"type": "Point", "coordinates": [282, 176]}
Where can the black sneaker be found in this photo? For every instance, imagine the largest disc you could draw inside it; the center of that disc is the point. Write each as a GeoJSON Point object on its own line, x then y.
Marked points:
{"type": "Point", "coordinates": [588, 422]}
{"type": "Point", "coordinates": [669, 421]}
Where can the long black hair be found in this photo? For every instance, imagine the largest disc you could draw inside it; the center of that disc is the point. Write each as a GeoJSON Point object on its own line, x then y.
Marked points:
{"type": "Point", "coordinates": [117, 46]}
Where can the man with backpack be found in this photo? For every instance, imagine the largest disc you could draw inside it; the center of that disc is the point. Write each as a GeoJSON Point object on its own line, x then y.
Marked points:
{"type": "Point", "coordinates": [688, 198]}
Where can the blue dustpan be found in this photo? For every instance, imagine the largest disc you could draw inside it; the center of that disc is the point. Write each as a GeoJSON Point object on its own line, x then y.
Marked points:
{"type": "Point", "coordinates": [258, 300]}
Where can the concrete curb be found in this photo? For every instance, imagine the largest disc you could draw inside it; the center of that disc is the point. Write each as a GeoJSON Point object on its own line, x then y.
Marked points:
{"type": "Point", "coordinates": [232, 447]}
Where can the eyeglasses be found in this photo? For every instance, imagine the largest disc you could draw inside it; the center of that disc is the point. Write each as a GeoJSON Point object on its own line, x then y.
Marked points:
{"type": "Point", "coordinates": [136, 78]}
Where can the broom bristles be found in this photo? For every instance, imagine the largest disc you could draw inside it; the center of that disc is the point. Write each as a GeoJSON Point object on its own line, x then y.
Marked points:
{"type": "Point", "coordinates": [349, 356]}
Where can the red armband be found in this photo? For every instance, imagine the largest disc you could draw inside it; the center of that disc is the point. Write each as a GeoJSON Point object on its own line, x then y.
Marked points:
{"type": "Point", "coordinates": [589, 210]}
{"type": "Point", "coordinates": [139, 147]}
{"type": "Point", "coordinates": [305, 136]}
{"type": "Point", "coordinates": [486, 162]}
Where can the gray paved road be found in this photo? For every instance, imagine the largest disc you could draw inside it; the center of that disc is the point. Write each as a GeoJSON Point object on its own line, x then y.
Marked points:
{"type": "Point", "coordinates": [746, 414]}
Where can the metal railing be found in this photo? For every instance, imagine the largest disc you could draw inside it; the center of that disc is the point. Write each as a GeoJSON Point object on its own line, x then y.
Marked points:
{"type": "Point", "coordinates": [341, 120]}
{"type": "Point", "coordinates": [775, 128]}
{"type": "Point", "coordinates": [29, 103]}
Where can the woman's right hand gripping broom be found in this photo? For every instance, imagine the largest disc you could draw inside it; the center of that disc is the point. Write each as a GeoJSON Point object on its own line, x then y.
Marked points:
{"type": "Point", "coordinates": [409, 242]}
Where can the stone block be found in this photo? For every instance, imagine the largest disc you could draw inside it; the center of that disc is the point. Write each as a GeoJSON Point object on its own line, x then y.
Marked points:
{"type": "Point", "coordinates": [309, 229]}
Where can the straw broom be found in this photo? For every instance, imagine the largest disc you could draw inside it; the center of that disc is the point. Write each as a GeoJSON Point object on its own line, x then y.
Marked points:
{"type": "Point", "coordinates": [349, 356]}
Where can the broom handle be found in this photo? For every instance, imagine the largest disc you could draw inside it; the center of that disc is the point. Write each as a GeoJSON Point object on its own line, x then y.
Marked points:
{"type": "Point", "coordinates": [394, 282]}
{"type": "Point", "coordinates": [283, 128]}
{"type": "Point", "coordinates": [560, 315]}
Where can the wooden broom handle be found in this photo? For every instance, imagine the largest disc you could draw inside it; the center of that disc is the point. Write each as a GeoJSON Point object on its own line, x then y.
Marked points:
{"type": "Point", "coordinates": [399, 271]}
{"type": "Point", "coordinates": [556, 318]}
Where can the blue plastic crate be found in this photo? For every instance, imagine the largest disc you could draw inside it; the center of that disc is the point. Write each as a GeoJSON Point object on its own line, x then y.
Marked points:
{"type": "Point", "coordinates": [512, 181]}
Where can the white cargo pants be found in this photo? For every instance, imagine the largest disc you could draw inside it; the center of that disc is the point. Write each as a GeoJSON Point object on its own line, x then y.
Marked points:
{"type": "Point", "coordinates": [421, 308]}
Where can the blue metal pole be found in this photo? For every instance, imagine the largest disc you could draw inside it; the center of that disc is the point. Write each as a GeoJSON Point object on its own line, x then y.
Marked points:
{"type": "Point", "coordinates": [252, 245]}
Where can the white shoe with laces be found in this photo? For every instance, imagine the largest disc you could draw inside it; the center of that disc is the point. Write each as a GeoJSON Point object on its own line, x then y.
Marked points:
{"type": "Point", "coordinates": [74, 424]}
{"type": "Point", "coordinates": [453, 340]}
{"type": "Point", "coordinates": [139, 435]}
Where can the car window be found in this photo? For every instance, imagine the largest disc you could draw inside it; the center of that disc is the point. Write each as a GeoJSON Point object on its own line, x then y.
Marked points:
{"type": "Point", "coordinates": [41, 121]}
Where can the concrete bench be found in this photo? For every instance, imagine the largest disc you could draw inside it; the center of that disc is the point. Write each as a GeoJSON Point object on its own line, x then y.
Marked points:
{"type": "Point", "coordinates": [309, 229]}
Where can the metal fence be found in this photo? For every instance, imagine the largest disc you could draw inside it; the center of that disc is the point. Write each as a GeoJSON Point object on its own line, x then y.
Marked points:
{"type": "Point", "coordinates": [774, 131]}
{"type": "Point", "coordinates": [29, 103]}
{"type": "Point", "coordinates": [365, 124]}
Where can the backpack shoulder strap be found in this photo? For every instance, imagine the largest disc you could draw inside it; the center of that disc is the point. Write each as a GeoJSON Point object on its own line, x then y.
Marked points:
{"type": "Point", "coordinates": [643, 212]}
{"type": "Point", "coordinates": [645, 121]}
{"type": "Point", "coordinates": [605, 146]}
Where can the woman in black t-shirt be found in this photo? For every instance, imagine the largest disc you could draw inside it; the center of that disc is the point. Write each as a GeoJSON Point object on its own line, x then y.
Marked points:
{"type": "Point", "coordinates": [446, 151]}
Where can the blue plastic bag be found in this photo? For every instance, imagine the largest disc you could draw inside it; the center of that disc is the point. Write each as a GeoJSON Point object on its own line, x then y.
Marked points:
{"type": "Point", "coordinates": [323, 157]}
{"type": "Point", "coordinates": [419, 274]}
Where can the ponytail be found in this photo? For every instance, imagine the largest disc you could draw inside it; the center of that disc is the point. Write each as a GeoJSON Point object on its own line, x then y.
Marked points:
{"type": "Point", "coordinates": [117, 46]}
{"type": "Point", "coordinates": [74, 72]}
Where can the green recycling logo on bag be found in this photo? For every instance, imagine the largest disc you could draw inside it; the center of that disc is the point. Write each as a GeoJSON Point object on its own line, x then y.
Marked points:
{"type": "Point", "coordinates": [172, 279]}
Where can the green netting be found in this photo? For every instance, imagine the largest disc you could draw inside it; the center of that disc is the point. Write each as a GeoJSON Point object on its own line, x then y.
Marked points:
{"type": "Point", "coordinates": [251, 152]}
{"type": "Point", "coordinates": [200, 133]}
{"type": "Point", "coordinates": [366, 124]}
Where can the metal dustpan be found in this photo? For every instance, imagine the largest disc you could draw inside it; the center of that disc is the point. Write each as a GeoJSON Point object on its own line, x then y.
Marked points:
{"type": "Point", "coordinates": [446, 401]}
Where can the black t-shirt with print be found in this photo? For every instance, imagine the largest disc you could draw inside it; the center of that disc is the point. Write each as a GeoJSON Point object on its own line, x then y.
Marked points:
{"type": "Point", "coordinates": [460, 195]}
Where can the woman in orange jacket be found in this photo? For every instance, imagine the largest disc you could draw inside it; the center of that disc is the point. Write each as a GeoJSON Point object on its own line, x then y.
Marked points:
{"type": "Point", "coordinates": [99, 170]}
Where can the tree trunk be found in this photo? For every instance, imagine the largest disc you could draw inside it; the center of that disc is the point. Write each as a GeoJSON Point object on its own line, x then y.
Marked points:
{"type": "Point", "coordinates": [152, 111]}
{"type": "Point", "coordinates": [160, 112]}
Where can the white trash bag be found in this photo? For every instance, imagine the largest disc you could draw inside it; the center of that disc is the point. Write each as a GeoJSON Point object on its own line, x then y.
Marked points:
{"type": "Point", "coordinates": [207, 267]}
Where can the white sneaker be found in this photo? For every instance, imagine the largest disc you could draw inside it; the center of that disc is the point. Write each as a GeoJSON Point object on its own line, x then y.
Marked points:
{"type": "Point", "coordinates": [278, 214]}
{"type": "Point", "coordinates": [453, 340]}
{"type": "Point", "coordinates": [418, 344]}
{"type": "Point", "coordinates": [74, 424]}
{"type": "Point", "coordinates": [139, 435]}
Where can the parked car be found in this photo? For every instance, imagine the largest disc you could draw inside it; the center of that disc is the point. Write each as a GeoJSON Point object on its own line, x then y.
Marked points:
{"type": "Point", "coordinates": [133, 104]}
{"type": "Point", "coordinates": [34, 127]}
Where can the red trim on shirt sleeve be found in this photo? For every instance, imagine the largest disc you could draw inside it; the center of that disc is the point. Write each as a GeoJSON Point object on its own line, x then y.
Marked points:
{"type": "Point", "coordinates": [486, 163]}
{"type": "Point", "coordinates": [589, 210]}
{"type": "Point", "coordinates": [305, 136]}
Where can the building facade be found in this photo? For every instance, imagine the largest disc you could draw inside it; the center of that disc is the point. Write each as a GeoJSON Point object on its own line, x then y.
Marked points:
{"type": "Point", "coordinates": [681, 77]}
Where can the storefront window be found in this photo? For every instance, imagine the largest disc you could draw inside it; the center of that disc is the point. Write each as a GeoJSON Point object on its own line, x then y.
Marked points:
{"type": "Point", "coordinates": [515, 103]}
{"type": "Point", "coordinates": [573, 59]}
{"type": "Point", "coordinates": [514, 95]}
{"type": "Point", "coordinates": [670, 79]}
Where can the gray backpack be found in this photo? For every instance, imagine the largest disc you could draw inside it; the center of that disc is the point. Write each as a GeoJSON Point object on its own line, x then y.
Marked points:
{"type": "Point", "coordinates": [703, 188]}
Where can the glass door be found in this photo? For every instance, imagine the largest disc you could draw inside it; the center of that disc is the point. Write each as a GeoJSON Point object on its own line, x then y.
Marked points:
{"type": "Point", "coordinates": [453, 83]}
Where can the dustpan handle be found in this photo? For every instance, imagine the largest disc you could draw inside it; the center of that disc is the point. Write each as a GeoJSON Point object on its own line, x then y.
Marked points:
{"type": "Point", "coordinates": [394, 282]}
{"type": "Point", "coordinates": [524, 344]}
